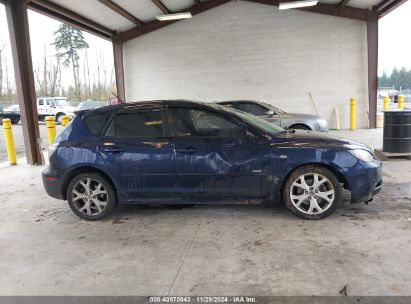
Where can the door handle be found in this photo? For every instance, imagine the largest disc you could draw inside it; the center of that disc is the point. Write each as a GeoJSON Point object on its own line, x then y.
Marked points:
{"type": "Point", "coordinates": [113, 149]}
{"type": "Point", "coordinates": [229, 145]}
{"type": "Point", "coordinates": [189, 150]}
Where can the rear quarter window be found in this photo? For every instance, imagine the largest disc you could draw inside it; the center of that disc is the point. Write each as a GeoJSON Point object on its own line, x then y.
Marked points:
{"type": "Point", "coordinates": [97, 122]}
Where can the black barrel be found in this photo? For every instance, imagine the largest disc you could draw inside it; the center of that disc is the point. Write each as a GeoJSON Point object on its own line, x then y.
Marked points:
{"type": "Point", "coordinates": [397, 132]}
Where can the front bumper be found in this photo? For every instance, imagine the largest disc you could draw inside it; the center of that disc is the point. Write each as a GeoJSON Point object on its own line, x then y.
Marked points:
{"type": "Point", "coordinates": [322, 126]}
{"type": "Point", "coordinates": [52, 183]}
{"type": "Point", "coordinates": [366, 181]}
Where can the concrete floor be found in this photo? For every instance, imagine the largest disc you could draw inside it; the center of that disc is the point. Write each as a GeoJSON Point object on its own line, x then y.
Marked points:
{"type": "Point", "coordinates": [205, 250]}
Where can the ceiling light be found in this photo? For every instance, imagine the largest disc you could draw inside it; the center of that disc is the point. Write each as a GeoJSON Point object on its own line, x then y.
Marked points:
{"type": "Point", "coordinates": [176, 16]}
{"type": "Point", "coordinates": [297, 4]}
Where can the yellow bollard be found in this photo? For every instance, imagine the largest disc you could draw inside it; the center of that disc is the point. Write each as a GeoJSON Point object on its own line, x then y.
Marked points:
{"type": "Point", "coordinates": [353, 103]}
{"type": "Point", "coordinates": [8, 134]}
{"type": "Point", "coordinates": [400, 102]}
{"type": "Point", "coordinates": [51, 129]}
{"type": "Point", "coordinates": [65, 120]}
{"type": "Point", "coordinates": [386, 103]}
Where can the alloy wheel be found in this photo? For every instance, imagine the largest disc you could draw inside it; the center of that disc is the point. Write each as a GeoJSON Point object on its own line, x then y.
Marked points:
{"type": "Point", "coordinates": [312, 193]}
{"type": "Point", "coordinates": [89, 196]}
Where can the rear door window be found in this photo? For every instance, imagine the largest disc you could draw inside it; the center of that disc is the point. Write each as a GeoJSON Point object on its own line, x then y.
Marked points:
{"type": "Point", "coordinates": [96, 122]}
{"type": "Point", "coordinates": [139, 123]}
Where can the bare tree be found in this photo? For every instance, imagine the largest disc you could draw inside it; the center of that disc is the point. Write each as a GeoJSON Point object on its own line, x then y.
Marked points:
{"type": "Point", "coordinates": [2, 47]}
{"type": "Point", "coordinates": [54, 76]}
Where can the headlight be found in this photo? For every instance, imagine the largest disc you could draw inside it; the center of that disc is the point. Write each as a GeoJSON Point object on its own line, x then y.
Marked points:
{"type": "Point", "coordinates": [363, 155]}
{"type": "Point", "coordinates": [322, 122]}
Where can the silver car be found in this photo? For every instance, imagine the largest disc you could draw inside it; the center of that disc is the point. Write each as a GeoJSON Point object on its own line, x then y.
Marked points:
{"type": "Point", "coordinates": [278, 116]}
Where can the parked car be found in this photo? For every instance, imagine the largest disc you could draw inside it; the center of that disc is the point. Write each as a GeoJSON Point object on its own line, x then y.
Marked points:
{"type": "Point", "coordinates": [91, 104]}
{"type": "Point", "coordinates": [180, 152]}
{"type": "Point", "coordinates": [10, 112]}
{"type": "Point", "coordinates": [54, 106]}
{"type": "Point", "coordinates": [278, 116]}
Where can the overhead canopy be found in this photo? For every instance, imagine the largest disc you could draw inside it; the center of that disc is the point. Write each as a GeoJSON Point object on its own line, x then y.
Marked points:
{"type": "Point", "coordinates": [134, 18]}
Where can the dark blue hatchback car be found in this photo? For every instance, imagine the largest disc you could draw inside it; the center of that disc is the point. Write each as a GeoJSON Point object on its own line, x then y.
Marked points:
{"type": "Point", "coordinates": [181, 152]}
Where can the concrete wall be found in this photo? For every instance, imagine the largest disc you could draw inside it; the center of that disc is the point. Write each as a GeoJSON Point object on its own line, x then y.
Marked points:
{"type": "Point", "coordinates": [243, 50]}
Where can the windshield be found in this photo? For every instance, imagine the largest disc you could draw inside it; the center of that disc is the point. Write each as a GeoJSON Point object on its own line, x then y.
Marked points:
{"type": "Point", "coordinates": [256, 121]}
{"type": "Point", "coordinates": [274, 108]}
{"type": "Point", "coordinates": [278, 110]}
{"type": "Point", "coordinates": [61, 102]}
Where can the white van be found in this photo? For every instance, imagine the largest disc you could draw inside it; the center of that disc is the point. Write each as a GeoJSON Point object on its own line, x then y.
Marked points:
{"type": "Point", "coordinates": [54, 106]}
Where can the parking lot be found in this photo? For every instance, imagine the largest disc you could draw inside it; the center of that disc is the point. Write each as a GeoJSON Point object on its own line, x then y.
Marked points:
{"type": "Point", "coordinates": [208, 249]}
{"type": "Point", "coordinates": [19, 142]}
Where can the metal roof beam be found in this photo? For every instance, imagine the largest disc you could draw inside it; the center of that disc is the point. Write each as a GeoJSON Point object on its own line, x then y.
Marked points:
{"type": "Point", "coordinates": [386, 7]}
{"type": "Point", "coordinates": [60, 13]}
{"type": "Point", "coordinates": [161, 6]}
{"type": "Point", "coordinates": [326, 9]}
{"type": "Point", "coordinates": [343, 4]}
{"type": "Point", "coordinates": [156, 24]}
{"type": "Point", "coordinates": [121, 11]}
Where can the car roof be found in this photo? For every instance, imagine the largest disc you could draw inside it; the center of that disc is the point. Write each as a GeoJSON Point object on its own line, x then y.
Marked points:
{"type": "Point", "coordinates": [241, 101]}
{"type": "Point", "coordinates": [138, 104]}
{"type": "Point", "coordinates": [264, 104]}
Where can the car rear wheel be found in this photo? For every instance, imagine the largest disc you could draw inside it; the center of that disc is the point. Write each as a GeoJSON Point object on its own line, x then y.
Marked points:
{"type": "Point", "coordinates": [312, 192]}
{"type": "Point", "coordinates": [15, 121]}
{"type": "Point", "coordinates": [91, 197]}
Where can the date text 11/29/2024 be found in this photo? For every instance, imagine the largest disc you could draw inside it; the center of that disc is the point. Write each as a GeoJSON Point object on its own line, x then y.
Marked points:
{"type": "Point", "coordinates": [203, 299]}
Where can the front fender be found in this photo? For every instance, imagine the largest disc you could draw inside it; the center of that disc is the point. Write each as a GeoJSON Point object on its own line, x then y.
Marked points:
{"type": "Point", "coordinates": [286, 160]}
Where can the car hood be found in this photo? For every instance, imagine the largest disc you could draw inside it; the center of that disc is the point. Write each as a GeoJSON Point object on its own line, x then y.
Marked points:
{"type": "Point", "coordinates": [299, 115]}
{"type": "Point", "coordinates": [69, 109]}
{"type": "Point", "coordinates": [301, 138]}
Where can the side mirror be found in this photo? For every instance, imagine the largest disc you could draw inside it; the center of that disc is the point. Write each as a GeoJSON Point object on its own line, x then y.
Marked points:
{"type": "Point", "coordinates": [270, 113]}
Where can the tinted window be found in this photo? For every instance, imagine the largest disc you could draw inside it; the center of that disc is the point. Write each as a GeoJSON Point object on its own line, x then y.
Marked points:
{"type": "Point", "coordinates": [138, 124]}
{"type": "Point", "coordinates": [41, 102]}
{"type": "Point", "coordinates": [97, 121]}
{"type": "Point", "coordinates": [196, 122]}
{"type": "Point", "coordinates": [252, 108]}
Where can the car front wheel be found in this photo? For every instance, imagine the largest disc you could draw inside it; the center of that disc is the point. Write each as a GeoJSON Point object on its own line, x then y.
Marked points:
{"type": "Point", "coordinates": [312, 192]}
{"type": "Point", "coordinates": [91, 197]}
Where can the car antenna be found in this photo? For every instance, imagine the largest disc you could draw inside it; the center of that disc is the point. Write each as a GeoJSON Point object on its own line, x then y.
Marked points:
{"type": "Point", "coordinates": [312, 99]}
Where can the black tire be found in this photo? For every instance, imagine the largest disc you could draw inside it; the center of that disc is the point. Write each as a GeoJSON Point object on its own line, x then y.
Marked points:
{"type": "Point", "coordinates": [304, 208]}
{"type": "Point", "coordinates": [15, 121]}
{"type": "Point", "coordinates": [300, 127]}
{"type": "Point", "coordinates": [110, 197]}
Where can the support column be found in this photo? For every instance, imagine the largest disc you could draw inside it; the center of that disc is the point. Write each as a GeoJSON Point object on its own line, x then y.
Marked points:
{"type": "Point", "coordinates": [18, 24]}
{"type": "Point", "coordinates": [372, 46]}
{"type": "Point", "coordinates": [118, 66]}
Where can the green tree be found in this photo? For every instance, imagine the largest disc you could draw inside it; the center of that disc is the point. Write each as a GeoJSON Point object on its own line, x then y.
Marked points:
{"type": "Point", "coordinates": [394, 78]}
{"type": "Point", "coordinates": [384, 81]}
{"type": "Point", "coordinates": [67, 42]}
